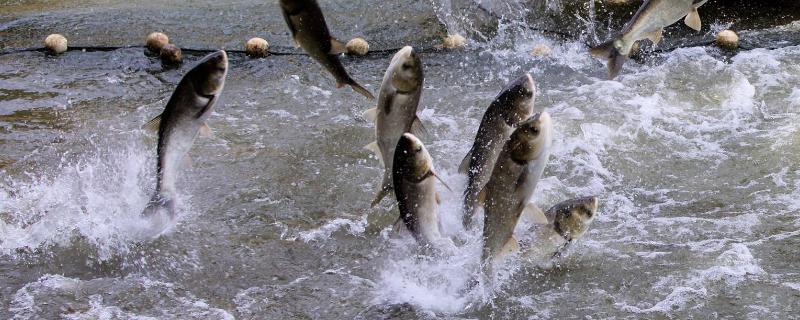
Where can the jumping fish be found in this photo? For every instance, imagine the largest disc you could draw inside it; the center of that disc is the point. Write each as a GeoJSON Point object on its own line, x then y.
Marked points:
{"type": "Point", "coordinates": [415, 189]}
{"type": "Point", "coordinates": [554, 230]}
{"type": "Point", "coordinates": [310, 32]}
{"type": "Point", "coordinates": [648, 23]}
{"type": "Point", "coordinates": [514, 178]}
{"type": "Point", "coordinates": [396, 112]}
{"type": "Point", "coordinates": [513, 105]}
{"type": "Point", "coordinates": [183, 119]}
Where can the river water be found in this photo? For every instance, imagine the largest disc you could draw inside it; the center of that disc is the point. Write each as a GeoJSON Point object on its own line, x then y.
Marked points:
{"type": "Point", "coordinates": [693, 154]}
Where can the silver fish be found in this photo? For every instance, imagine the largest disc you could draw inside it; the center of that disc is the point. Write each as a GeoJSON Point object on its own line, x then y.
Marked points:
{"type": "Point", "coordinates": [415, 189]}
{"type": "Point", "coordinates": [648, 23]}
{"type": "Point", "coordinates": [310, 32]}
{"type": "Point", "coordinates": [514, 179]}
{"type": "Point", "coordinates": [513, 105]}
{"type": "Point", "coordinates": [183, 119]}
{"type": "Point", "coordinates": [396, 112]}
{"type": "Point", "coordinates": [559, 227]}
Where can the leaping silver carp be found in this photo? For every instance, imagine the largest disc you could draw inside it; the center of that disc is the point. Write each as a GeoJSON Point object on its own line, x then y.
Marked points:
{"type": "Point", "coordinates": [415, 189]}
{"type": "Point", "coordinates": [513, 182]}
{"type": "Point", "coordinates": [648, 23]}
{"type": "Point", "coordinates": [513, 105]}
{"type": "Point", "coordinates": [310, 32]}
{"type": "Point", "coordinates": [559, 227]}
{"type": "Point", "coordinates": [396, 112]}
{"type": "Point", "coordinates": [183, 119]}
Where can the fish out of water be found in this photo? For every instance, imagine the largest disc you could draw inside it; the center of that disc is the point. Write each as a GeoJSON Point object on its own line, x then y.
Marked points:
{"type": "Point", "coordinates": [396, 112]}
{"type": "Point", "coordinates": [183, 119]}
{"type": "Point", "coordinates": [648, 23]}
{"type": "Point", "coordinates": [514, 178]}
{"type": "Point", "coordinates": [553, 231]}
{"type": "Point", "coordinates": [310, 32]}
{"type": "Point", "coordinates": [513, 105]}
{"type": "Point", "coordinates": [415, 189]}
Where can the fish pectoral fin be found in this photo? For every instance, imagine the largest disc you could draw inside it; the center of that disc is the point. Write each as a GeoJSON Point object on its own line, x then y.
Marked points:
{"type": "Point", "coordinates": [463, 168]}
{"type": "Point", "coordinates": [205, 131]}
{"type": "Point", "coordinates": [511, 246]}
{"type": "Point", "coordinates": [417, 128]}
{"type": "Point", "coordinates": [384, 190]}
{"type": "Point", "coordinates": [693, 19]}
{"type": "Point", "coordinates": [337, 47]}
{"type": "Point", "coordinates": [438, 198]}
{"type": "Point", "coordinates": [371, 114]}
{"type": "Point", "coordinates": [534, 214]}
{"type": "Point", "coordinates": [442, 181]}
{"type": "Point", "coordinates": [373, 146]}
{"type": "Point", "coordinates": [481, 197]}
{"type": "Point", "coordinates": [187, 161]}
{"type": "Point", "coordinates": [295, 43]}
{"type": "Point", "coordinates": [398, 226]}
{"type": "Point", "coordinates": [339, 84]}
{"type": "Point", "coordinates": [655, 36]}
{"type": "Point", "coordinates": [153, 124]}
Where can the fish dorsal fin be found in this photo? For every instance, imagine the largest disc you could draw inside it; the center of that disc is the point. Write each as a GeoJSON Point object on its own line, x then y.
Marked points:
{"type": "Point", "coordinates": [463, 168]}
{"type": "Point", "coordinates": [655, 36]}
{"type": "Point", "coordinates": [206, 131]}
{"type": "Point", "coordinates": [534, 214]}
{"type": "Point", "coordinates": [693, 19]}
{"type": "Point", "coordinates": [337, 47]}
{"type": "Point", "coordinates": [371, 114]}
{"type": "Point", "coordinates": [153, 124]}
{"type": "Point", "coordinates": [373, 146]}
{"type": "Point", "coordinates": [417, 128]}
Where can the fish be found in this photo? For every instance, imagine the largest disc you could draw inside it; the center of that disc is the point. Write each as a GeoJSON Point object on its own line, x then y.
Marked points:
{"type": "Point", "coordinates": [396, 111]}
{"type": "Point", "coordinates": [552, 232]}
{"type": "Point", "coordinates": [310, 32]}
{"type": "Point", "coordinates": [414, 180]}
{"type": "Point", "coordinates": [513, 105]}
{"type": "Point", "coordinates": [183, 119]}
{"type": "Point", "coordinates": [514, 179]}
{"type": "Point", "coordinates": [648, 23]}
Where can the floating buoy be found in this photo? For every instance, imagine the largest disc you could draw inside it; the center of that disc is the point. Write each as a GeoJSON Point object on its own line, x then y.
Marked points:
{"type": "Point", "coordinates": [155, 41]}
{"type": "Point", "coordinates": [453, 41]}
{"type": "Point", "coordinates": [357, 47]}
{"type": "Point", "coordinates": [256, 47]}
{"type": "Point", "coordinates": [541, 50]}
{"type": "Point", "coordinates": [727, 39]}
{"type": "Point", "coordinates": [171, 54]}
{"type": "Point", "coordinates": [55, 43]}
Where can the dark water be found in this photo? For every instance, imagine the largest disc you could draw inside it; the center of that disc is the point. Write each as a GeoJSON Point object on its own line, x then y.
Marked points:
{"type": "Point", "coordinates": [693, 153]}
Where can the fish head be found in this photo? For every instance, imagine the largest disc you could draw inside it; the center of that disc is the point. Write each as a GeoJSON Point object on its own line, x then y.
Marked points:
{"type": "Point", "coordinates": [518, 97]}
{"type": "Point", "coordinates": [407, 74]}
{"type": "Point", "coordinates": [412, 158]}
{"type": "Point", "coordinates": [531, 138]}
{"type": "Point", "coordinates": [573, 217]}
{"type": "Point", "coordinates": [208, 76]}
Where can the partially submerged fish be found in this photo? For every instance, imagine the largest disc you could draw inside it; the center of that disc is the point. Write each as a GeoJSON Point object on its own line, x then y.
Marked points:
{"type": "Point", "coordinates": [310, 32]}
{"type": "Point", "coordinates": [648, 23]}
{"type": "Point", "coordinates": [183, 119]}
{"type": "Point", "coordinates": [415, 190]}
{"type": "Point", "coordinates": [513, 181]}
{"type": "Point", "coordinates": [559, 227]}
{"type": "Point", "coordinates": [396, 112]}
{"type": "Point", "coordinates": [513, 105]}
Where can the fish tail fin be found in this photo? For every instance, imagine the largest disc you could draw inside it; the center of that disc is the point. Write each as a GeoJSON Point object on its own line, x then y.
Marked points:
{"type": "Point", "coordinates": [159, 204]}
{"type": "Point", "coordinates": [386, 187]}
{"type": "Point", "coordinates": [363, 91]}
{"type": "Point", "coordinates": [615, 58]}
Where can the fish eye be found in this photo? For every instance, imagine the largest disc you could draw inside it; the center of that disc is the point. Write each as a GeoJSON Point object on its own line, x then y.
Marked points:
{"type": "Point", "coordinates": [406, 66]}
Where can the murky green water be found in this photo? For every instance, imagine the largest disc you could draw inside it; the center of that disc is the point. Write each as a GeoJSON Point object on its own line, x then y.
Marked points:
{"type": "Point", "coordinates": [693, 153]}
